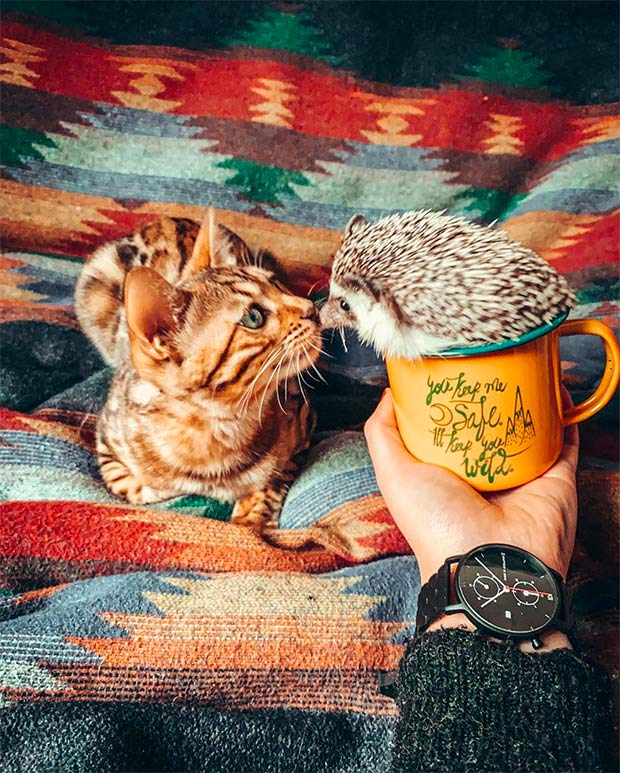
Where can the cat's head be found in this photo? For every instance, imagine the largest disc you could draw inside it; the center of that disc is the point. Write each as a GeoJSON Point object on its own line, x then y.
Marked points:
{"type": "Point", "coordinates": [228, 329]}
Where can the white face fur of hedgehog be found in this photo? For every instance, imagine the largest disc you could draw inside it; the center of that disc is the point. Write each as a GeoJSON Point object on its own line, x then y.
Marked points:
{"type": "Point", "coordinates": [417, 283]}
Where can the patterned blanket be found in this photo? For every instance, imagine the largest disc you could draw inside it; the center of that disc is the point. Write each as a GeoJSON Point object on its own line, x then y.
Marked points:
{"type": "Point", "coordinates": [167, 638]}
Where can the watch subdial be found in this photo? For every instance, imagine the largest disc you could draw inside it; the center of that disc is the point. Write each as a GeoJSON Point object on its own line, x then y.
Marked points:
{"type": "Point", "coordinates": [526, 593]}
{"type": "Point", "coordinates": [486, 587]}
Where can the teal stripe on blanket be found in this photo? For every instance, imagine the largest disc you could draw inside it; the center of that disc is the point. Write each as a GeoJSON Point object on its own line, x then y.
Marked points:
{"type": "Point", "coordinates": [23, 482]}
{"type": "Point", "coordinates": [338, 470]}
{"type": "Point", "coordinates": [575, 200]}
{"type": "Point", "coordinates": [41, 451]}
{"type": "Point", "coordinates": [128, 186]}
{"type": "Point", "coordinates": [334, 491]}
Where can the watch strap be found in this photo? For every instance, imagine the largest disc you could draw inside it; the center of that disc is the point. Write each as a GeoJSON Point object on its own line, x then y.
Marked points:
{"type": "Point", "coordinates": [564, 620]}
{"type": "Point", "coordinates": [433, 598]}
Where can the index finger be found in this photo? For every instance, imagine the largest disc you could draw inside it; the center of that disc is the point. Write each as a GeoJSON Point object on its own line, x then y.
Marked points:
{"type": "Point", "coordinates": [570, 449]}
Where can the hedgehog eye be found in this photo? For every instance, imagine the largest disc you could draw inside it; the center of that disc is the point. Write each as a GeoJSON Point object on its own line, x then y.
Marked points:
{"type": "Point", "coordinates": [344, 305]}
{"type": "Point", "coordinates": [253, 318]}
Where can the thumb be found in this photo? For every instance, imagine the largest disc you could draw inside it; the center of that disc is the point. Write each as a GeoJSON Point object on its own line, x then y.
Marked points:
{"type": "Point", "coordinates": [389, 456]}
{"type": "Point", "coordinates": [405, 481]}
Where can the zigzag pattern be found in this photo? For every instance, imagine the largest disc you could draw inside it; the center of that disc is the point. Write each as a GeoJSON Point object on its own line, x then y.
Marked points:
{"type": "Point", "coordinates": [173, 607]}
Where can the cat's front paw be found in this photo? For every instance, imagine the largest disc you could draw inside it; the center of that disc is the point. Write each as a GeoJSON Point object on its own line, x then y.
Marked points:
{"type": "Point", "coordinates": [259, 511]}
{"type": "Point", "coordinates": [123, 483]}
{"type": "Point", "coordinates": [145, 495]}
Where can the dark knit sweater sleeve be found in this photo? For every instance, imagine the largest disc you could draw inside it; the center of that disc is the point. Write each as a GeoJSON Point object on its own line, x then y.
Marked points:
{"type": "Point", "coordinates": [468, 704]}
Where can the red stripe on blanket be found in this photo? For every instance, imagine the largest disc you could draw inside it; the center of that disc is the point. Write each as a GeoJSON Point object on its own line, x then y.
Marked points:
{"type": "Point", "coordinates": [319, 102]}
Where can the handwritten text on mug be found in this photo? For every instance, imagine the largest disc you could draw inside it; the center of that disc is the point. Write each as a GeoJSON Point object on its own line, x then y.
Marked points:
{"type": "Point", "coordinates": [458, 406]}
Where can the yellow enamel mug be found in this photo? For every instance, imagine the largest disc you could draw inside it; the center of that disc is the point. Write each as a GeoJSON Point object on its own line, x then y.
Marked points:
{"type": "Point", "coordinates": [493, 414]}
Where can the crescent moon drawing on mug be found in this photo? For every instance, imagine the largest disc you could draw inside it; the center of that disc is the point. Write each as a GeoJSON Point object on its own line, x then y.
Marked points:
{"type": "Point", "coordinates": [445, 415]}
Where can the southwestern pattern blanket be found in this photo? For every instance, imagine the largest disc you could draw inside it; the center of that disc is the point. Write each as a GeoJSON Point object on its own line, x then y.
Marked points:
{"type": "Point", "coordinates": [166, 638]}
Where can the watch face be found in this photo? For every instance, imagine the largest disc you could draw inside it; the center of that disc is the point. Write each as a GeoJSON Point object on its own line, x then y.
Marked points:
{"type": "Point", "coordinates": [507, 590]}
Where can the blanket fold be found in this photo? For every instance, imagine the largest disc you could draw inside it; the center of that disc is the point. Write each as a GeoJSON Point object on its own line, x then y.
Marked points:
{"type": "Point", "coordinates": [167, 638]}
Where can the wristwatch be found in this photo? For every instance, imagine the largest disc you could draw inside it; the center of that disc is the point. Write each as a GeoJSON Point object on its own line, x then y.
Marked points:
{"type": "Point", "coordinates": [504, 591]}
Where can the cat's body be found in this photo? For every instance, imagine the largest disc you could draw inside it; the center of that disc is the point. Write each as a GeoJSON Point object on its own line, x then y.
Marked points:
{"type": "Point", "coordinates": [197, 446]}
{"type": "Point", "coordinates": [199, 346]}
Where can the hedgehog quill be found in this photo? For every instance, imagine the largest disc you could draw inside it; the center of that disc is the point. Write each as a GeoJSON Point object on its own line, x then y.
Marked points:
{"type": "Point", "coordinates": [420, 282]}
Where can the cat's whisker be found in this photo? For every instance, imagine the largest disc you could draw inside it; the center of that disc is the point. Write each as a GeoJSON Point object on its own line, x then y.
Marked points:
{"type": "Point", "coordinates": [278, 383]}
{"type": "Point", "coordinates": [316, 284]}
{"type": "Point", "coordinates": [265, 390]}
{"type": "Point", "coordinates": [321, 351]}
{"type": "Point", "coordinates": [342, 338]}
{"type": "Point", "coordinates": [303, 394]}
{"type": "Point", "coordinates": [282, 408]}
{"type": "Point", "coordinates": [314, 367]}
{"type": "Point", "coordinates": [243, 403]}
{"type": "Point", "coordinates": [301, 376]}
{"type": "Point", "coordinates": [270, 359]}
{"type": "Point", "coordinates": [288, 368]}
{"type": "Point", "coordinates": [313, 377]}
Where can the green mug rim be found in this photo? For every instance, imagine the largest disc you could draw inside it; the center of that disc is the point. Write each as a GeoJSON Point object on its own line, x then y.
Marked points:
{"type": "Point", "coordinates": [538, 332]}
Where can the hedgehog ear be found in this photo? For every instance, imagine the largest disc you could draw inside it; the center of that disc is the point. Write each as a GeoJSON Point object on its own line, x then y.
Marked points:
{"type": "Point", "coordinates": [355, 224]}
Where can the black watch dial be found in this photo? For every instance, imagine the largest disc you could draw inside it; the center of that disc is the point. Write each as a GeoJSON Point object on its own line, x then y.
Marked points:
{"type": "Point", "coordinates": [507, 590]}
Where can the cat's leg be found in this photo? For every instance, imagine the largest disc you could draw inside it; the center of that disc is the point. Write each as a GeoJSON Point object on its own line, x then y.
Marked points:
{"type": "Point", "coordinates": [123, 483]}
{"type": "Point", "coordinates": [261, 510]}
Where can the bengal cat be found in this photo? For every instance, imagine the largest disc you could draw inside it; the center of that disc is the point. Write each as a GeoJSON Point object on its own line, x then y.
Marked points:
{"type": "Point", "coordinates": [207, 347]}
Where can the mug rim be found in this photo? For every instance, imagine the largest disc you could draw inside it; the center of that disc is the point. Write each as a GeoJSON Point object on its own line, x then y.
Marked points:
{"type": "Point", "coordinates": [468, 351]}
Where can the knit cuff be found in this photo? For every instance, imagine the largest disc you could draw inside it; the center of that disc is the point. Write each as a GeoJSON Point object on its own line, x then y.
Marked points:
{"type": "Point", "coordinates": [467, 703]}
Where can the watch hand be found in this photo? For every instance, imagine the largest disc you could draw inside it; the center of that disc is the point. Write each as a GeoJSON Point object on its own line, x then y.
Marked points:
{"type": "Point", "coordinates": [486, 569]}
{"type": "Point", "coordinates": [526, 590]}
{"type": "Point", "coordinates": [503, 590]}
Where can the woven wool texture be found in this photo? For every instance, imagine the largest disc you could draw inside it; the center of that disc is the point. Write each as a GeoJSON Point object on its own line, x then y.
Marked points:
{"type": "Point", "coordinates": [167, 638]}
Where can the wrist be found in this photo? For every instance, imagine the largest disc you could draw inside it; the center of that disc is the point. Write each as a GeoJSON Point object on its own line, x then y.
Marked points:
{"type": "Point", "coordinates": [550, 640]}
{"type": "Point", "coordinates": [457, 620]}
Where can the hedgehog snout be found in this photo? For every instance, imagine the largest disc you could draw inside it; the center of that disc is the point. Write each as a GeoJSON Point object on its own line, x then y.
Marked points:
{"type": "Point", "coordinates": [337, 313]}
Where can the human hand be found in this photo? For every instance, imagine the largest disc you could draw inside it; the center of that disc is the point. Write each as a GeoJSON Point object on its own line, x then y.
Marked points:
{"type": "Point", "coordinates": [441, 515]}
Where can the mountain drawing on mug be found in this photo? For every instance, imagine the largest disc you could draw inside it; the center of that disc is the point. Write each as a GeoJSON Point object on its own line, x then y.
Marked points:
{"type": "Point", "coordinates": [520, 426]}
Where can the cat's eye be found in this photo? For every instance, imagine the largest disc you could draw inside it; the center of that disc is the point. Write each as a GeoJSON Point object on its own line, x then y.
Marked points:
{"type": "Point", "coordinates": [344, 305]}
{"type": "Point", "coordinates": [253, 318]}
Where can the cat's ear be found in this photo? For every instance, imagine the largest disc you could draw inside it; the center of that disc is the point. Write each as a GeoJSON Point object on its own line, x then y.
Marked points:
{"type": "Point", "coordinates": [355, 224]}
{"type": "Point", "coordinates": [201, 252]}
{"type": "Point", "coordinates": [152, 308]}
{"type": "Point", "coordinates": [229, 249]}
{"type": "Point", "coordinates": [216, 246]}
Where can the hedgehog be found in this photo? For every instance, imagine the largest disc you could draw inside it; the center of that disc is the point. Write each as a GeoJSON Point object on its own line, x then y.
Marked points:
{"type": "Point", "coordinates": [417, 283]}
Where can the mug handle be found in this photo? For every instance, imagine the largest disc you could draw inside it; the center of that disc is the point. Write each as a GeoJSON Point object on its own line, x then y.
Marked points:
{"type": "Point", "coordinates": [611, 375]}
